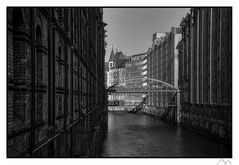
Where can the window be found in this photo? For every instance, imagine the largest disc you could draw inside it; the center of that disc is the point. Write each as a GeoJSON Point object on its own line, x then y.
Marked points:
{"type": "Point", "coordinates": [111, 65]}
{"type": "Point", "coordinates": [39, 53]}
{"type": "Point", "coordinates": [38, 35]}
{"type": "Point", "coordinates": [143, 67]}
{"type": "Point", "coordinates": [60, 16]}
{"type": "Point", "coordinates": [144, 73]}
{"type": "Point", "coordinates": [143, 62]}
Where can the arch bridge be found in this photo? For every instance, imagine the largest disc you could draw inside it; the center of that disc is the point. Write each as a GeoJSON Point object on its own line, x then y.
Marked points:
{"type": "Point", "coordinates": [145, 87]}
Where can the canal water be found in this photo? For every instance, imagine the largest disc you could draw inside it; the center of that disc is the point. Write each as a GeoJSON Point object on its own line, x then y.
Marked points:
{"type": "Point", "coordinates": [137, 135]}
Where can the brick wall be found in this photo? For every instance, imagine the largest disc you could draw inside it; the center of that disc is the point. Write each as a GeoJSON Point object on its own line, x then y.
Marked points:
{"type": "Point", "coordinates": [68, 67]}
{"type": "Point", "coordinates": [205, 57]}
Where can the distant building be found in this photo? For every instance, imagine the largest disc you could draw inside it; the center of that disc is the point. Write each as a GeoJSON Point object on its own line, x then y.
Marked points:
{"type": "Point", "coordinates": [116, 75]}
{"type": "Point", "coordinates": [136, 68]}
{"type": "Point", "coordinates": [205, 71]}
{"type": "Point", "coordinates": [116, 67]}
{"type": "Point", "coordinates": [163, 64]}
{"type": "Point", "coordinates": [106, 73]}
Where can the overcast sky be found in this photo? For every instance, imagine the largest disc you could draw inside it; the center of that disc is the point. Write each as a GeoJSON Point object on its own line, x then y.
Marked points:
{"type": "Point", "coordinates": [130, 30]}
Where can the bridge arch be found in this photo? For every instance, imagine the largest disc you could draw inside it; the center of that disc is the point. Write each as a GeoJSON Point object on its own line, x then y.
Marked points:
{"type": "Point", "coordinates": [152, 87]}
{"type": "Point", "coordinates": [154, 80]}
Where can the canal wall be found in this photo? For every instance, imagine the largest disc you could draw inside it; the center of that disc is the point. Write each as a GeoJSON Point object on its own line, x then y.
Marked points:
{"type": "Point", "coordinates": [212, 121]}
{"type": "Point", "coordinates": [166, 114]}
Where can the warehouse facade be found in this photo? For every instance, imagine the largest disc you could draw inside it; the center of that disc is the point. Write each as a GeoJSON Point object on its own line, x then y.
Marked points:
{"type": "Point", "coordinates": [163, 65]}
{"type": "Point", "coordinates": [55, 82]}
{"type": "Point", "coordinates": [205, 71]}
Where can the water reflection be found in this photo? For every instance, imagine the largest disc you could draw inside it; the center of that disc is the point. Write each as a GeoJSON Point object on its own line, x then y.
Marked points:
{"type": "Point", "coordinates": [132, 135]}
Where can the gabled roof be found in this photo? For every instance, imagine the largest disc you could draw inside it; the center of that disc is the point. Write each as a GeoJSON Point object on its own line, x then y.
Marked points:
{"type": "Point", "coordinates": [120, 60]}
{"type": "Point", "coordinates": [120, 63]}
{"type": "Point", "coordinates": [120, 55]}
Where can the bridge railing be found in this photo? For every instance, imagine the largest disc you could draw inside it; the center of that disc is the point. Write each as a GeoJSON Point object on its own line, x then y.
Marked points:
{"type": "Point", "coordinates": [153, 86]}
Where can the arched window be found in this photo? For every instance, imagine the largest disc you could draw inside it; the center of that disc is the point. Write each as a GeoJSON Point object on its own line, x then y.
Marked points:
{"type": "Point", "coordinates": [21, 71]}
{"type": "Point", "coordinates": [39, 53]}
{"type": "Point", "coordinates": [17, 17]}
{"type": "Point", "coordinates": [39, 74]}
{"type": "Point", "coordinates": [60, 52]}
{"type": "Point", "coordinates": [60, 66]}
{"type": "Point", "coordinates": [67, 15]}
{"type": "Point", "coordinates": [18, 45]}
{"type": "Point", "coordinates": [38, 35]}
{"type": "Point", "coordinates": [60, 13]}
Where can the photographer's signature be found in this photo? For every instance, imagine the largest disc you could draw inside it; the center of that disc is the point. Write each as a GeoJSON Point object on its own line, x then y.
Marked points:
{"type": "Point", "coordinates": [223, 162]}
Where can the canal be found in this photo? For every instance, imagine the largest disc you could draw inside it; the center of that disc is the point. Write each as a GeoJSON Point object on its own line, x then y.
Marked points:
{"type": "Point", "coordinates": [137, 135]}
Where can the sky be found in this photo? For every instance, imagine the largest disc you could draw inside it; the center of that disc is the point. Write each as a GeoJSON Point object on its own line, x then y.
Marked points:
{"type": "Point", "coordinates": [130, 30]}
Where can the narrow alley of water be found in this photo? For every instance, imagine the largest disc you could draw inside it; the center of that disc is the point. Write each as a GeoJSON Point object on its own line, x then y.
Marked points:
{"type": "Point", "coordinates": [134, 135]}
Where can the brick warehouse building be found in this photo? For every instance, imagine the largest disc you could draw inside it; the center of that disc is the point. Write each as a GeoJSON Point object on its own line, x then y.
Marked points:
{"type": "Point", "coordinates": [205, 71]}
{"type": "Point", "coordinates": [55, 82]}
{"type": "Point", "coordinates": [163, 65]}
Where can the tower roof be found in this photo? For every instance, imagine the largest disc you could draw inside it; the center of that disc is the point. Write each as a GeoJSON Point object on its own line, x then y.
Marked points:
{"type": "Point", "coordinates": [112, 56]}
